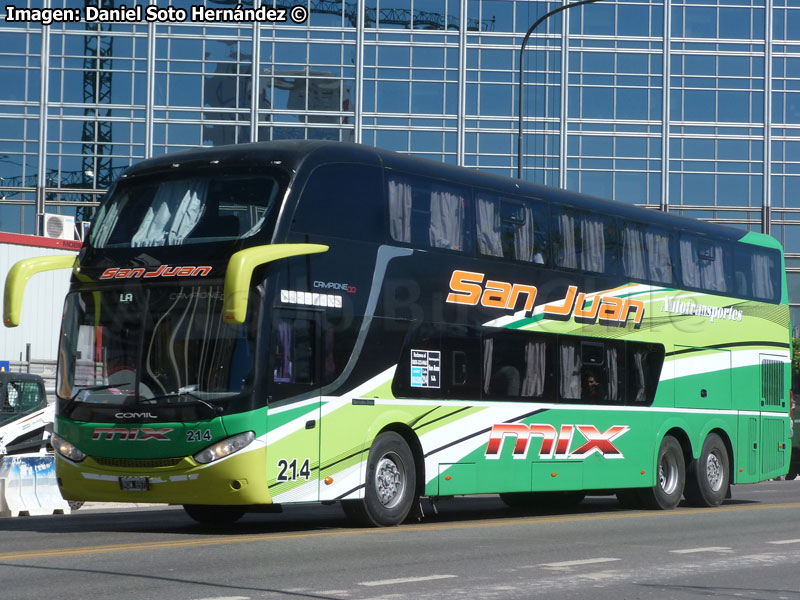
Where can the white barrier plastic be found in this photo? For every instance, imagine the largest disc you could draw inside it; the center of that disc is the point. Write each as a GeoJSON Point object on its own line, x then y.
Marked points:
{"type": "Point", "coordinates": [28, 486]}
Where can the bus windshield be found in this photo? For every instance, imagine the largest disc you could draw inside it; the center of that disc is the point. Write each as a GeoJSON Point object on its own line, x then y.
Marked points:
{"type": "Point", "coordinates": [187, 208]}
{"type": "Point", "coordinates": [160, 344]}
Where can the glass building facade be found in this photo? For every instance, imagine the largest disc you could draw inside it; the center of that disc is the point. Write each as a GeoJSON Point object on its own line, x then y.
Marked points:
{"type": "Point", "coordinates": [687, 106]}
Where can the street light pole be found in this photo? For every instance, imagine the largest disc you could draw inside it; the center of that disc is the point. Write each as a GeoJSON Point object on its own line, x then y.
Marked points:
{"type": "Point", "coordinates": [521, 55]}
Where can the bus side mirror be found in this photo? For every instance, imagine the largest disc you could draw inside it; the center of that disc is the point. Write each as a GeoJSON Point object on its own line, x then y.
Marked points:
{"type": "Point", "coordinates": [240, 272]}
{"type": "Point", "coordinates": [18, 277]}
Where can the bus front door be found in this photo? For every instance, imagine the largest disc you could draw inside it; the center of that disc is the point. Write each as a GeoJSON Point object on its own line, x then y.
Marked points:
{"type": "Point", "coordinates": [293, 413]}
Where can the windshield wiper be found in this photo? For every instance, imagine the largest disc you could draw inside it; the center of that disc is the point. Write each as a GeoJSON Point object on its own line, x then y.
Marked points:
{"type": "Point", "coordinates": [215, 410]}
{"type": "Point", "coordinates": [92, 388]}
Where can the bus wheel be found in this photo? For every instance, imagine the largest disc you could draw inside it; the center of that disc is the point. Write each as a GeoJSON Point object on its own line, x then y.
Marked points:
{"type": "Point", "coordinates": [214, 515]}
{"type": "Point", "coordinates": [671, 477]}
{"type": "Point", "coordinates": [708, 477]}
{"type": "Point", "coordinates": [391, 483]}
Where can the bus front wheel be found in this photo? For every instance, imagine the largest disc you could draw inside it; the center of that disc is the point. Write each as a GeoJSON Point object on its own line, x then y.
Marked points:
{"type": "Point", "coordinates": [670, 477]}
{"type": "Point", "coordinates": [214, 515]}
{"type": "Point", "coordinates": [708, 477]}
{"type": "Point", "coordinates": [391, 484]}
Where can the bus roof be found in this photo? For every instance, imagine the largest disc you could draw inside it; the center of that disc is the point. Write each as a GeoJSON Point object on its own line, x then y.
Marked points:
{"type": "Point", "coordinates": [294, 154]}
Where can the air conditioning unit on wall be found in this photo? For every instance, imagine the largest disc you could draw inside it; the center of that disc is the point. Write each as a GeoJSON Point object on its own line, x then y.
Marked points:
{"type": "Point", "coordinates": [59, 227]}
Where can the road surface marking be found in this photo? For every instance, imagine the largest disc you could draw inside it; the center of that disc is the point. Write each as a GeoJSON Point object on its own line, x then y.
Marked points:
{"type": "Point", "coordinates": [707, 549]}
{"type": "Point", "coordinates": [406, 580]}
{"type": "Point", "coordinates": [575, 563]}
{"type": "Point", "coordinates": [785, 542]}
{"type": "Point", "coordinates": [200, 542]}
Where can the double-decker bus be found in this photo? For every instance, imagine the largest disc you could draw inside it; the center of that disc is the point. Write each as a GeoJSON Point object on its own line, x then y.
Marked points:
{"type": "Point", "coordinates": [261, 324]}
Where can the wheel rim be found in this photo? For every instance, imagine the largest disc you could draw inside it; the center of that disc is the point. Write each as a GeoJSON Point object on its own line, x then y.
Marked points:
{"type": "Point", "coordinates": [714, 473]}
{"type": "Point", "coordinates": [668, 474]}
{"type": "Point", "coordinates": [390, 482]}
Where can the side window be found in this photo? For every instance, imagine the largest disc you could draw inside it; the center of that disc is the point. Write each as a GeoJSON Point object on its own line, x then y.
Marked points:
{"type": "Point", "coordinates": [439, 361]}
{"type": "Point", "coordinates": [591, 371]}
{"type": "Point", "coordinates": [11, 404]}
{"type": "Point", "coordinates": [510, 228]}
{"type": "Point", "coordinates": [21, 397]}
{"type": "Point", "coordinates": [515, 366]}
{"type": "Point", "coordinates": [757, 273]}
{"type": "Point", "coordinates": [428, 213]}
{"type": "Point", "coordinates": [704, 263]}
{"type": "Point", "coordinates": [646, 253]}
{"type": "Point", "coordinates": [419, 370]}
{"type": "Point", "coordinates": [584, 240]}
{"type": "Point", "coordinates": [644, 362]}
{"type": "Point", "coordinates": [342, 200]}
{"type": "Point", "coordinates": [633, 250]}
{"type": "Point", "coordinates": [294, 355]}
{"type": "Point", "coordinates": [661, 259]}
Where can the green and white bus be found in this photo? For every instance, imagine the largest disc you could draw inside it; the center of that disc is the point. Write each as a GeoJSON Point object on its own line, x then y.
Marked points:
{"type": "Point", "coordinates": [262, 324]}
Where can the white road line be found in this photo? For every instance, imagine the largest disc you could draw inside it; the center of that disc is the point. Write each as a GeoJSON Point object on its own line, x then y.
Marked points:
{"type": "Point", "coordinates": [708, 549]}
{"type": "Point", "coordinates": [226, 598]}
{"type": "Point", "coordinates": [406, 580]}
{"type": "Point", "coordinates": [785, 542]}
{"type": "Point", "coordinates": [575, 563]}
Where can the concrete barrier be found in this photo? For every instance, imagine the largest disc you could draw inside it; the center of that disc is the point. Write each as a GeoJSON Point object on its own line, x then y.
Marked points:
{"type": "Point", "coordinates": [28, 486]}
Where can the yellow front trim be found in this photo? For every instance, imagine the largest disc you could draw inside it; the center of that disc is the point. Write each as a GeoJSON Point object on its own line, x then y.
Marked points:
{"type": "Point", "coordinates": [18, 277]}
{"type": "Point", "coordinates": [187, 483]}
{"type": "Point", "coordinates": [240, 272]}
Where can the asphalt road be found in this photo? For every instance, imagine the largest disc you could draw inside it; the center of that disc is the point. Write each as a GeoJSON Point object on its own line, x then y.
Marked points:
{"type": "Point", "coordinates": [469, 548]}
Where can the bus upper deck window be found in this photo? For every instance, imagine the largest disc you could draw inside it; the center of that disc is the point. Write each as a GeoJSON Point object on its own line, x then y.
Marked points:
{"type": "Point", "coordinates": [703, 264]}
{"type": "Point", "coordinates": [427, 213]}
{"type": "Point", "coordinates": [585, 241]}
{"type": "Point", "coordinates": [511, 229]}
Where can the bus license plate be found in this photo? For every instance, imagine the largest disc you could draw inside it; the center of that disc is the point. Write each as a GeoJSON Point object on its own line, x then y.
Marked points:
{"type": "Point", "coordinates": [134, 484]}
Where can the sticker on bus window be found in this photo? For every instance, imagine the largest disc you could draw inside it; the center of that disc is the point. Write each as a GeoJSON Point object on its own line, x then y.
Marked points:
{"type": "Point", "coordinates": [426, 368]}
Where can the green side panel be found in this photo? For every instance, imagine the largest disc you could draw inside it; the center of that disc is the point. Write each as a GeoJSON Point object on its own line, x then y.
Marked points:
{"type": "Point", "coordinates": [746, 468]}
{"type": "Point", "coordinates": [773, 447]}
{"type": "Point", "coordinates": [514, 476]}
{"type": "Point", "coordinates": [710, 390]}
{"type": "Point", "coordinates": [459, 478]}
{"type": "Point", "coordinates": [557, 476]}
{"type": "Point", "coordinates": [596, 471]}
{"type": "Point", "coordinates": [254, 420]}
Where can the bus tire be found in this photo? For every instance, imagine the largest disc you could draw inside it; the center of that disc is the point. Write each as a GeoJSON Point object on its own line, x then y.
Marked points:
{"type": "Point", "coordinates": [708, 477]}
{"type": "Point", "coordinates": [670, 477]}
{"type": "Point", "coordinates": [390, 490]}
{"type": "Point", "coordinates": [214, 515]}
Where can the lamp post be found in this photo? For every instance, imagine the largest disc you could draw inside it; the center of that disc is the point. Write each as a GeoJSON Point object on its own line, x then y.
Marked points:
{"type": "Point", "coordinates": [521, 55]}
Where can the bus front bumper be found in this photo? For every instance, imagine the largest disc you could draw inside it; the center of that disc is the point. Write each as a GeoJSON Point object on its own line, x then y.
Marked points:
{"type": "Point", "coordinates": [239, 479]}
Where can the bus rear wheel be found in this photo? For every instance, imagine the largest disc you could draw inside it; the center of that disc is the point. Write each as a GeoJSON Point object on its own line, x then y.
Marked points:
{"type": "Point", "coordinates": [214, 515]}
{"type": "Point", "coordinates": [709, 476]}
{"type": "Point", "coordinates": [670, 477]}
{"type": "Point", "coordinates": [391, 484]}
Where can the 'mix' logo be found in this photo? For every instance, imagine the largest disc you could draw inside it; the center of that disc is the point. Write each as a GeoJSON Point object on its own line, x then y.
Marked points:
{"type": "Point", "coordinates": [555, 444]}
{"type": "Point", "coordinates": [137, 433]}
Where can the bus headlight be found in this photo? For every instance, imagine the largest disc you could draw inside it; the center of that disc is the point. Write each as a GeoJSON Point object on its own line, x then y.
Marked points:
{"type": "Point", "coordinates": [65, 449]}
{"type": "Point", "coordinates": [224, 448]}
